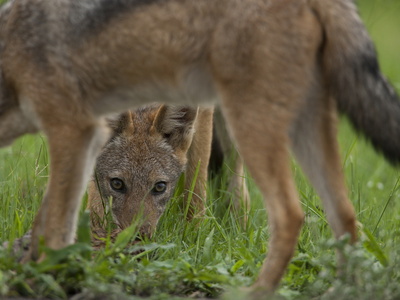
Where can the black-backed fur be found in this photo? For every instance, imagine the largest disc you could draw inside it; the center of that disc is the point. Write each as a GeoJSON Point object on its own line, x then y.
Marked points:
{"type": "Point", "coordinates": [89, 19]}
{"type": "Point", "coordinates": [32, 31]}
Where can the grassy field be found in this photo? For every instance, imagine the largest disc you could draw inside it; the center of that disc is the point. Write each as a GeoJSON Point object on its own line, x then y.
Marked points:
{"type": "Point", "coordinates": [220, 254]}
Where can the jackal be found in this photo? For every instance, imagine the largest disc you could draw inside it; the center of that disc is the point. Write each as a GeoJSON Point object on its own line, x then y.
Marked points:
{"type": "Point", "coordinates": [141, 163]}
{"type": "Point", "coordinates": [278, 68]}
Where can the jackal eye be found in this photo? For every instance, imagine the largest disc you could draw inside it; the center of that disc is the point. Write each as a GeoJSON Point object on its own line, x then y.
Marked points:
{"type": "Point", "coordinates": [159, 188]}
{"type": "Point", "coordinates": [167, 135]}
{"type": "Point", "coordinates": [117, 185]}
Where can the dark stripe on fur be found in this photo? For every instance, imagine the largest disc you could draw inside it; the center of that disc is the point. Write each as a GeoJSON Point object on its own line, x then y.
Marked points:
{"type": "Point", "coordinates": [32, 25]}
{"type": "Point", "coordinates": [88, 16]}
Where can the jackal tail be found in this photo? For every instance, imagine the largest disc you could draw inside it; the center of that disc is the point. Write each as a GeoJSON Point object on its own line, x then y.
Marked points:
{"type": "Point", "coordinates": [353, 77]}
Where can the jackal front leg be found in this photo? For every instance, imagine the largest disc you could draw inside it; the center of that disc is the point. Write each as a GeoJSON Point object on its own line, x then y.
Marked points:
{"type": "Point", "coordinates": [198, 157]}
{"type": "Point", "coordinates": [73, 152]}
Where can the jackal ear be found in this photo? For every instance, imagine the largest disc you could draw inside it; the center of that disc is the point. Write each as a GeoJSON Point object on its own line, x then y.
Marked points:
{"type": "Point", "coordinates": [176, 124]}
{"type": "Point", "coordinates": [119, 122]}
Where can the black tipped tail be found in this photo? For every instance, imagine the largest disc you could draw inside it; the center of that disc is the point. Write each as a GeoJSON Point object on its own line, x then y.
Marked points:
{"type": "Point", "coordinates": [371, 104]}
{"type": "Point", "coordinates": [354, 79]}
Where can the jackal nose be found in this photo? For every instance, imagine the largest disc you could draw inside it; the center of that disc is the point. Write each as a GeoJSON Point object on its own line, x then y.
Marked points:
{"type": "Point", "coordinates": [146, 230]}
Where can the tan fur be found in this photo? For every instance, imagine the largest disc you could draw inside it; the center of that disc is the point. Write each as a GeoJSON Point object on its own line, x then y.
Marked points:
{"type": "Point", "coordinates": [67, 64]}
{"type": "Point", "coordinates": [140, 154]}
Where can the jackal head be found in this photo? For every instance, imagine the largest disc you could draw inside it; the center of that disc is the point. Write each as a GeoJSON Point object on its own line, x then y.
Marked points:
{"type": "Point", "coordinates": [140, 165]}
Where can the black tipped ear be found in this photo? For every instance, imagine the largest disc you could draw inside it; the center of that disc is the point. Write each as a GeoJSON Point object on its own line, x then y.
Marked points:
{"type": "Point", "coordinates": [176, 124]}
{"type": "Point", "coordinates": [119, 122]}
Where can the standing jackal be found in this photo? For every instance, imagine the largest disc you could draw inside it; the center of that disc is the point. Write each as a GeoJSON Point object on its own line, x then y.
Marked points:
{"type": "Point", "coordinates": [278, 68]}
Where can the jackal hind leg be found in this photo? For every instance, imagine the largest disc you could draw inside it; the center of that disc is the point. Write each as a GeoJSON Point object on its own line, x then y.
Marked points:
{"type": "Point", "coordinates": [314, 144]}
{"type": "Point", "coordinates": [259, 127]}
{"type": "Point", "coordinates": [73, 150]}
{"type": "Point", "coordinates": [237, 183]}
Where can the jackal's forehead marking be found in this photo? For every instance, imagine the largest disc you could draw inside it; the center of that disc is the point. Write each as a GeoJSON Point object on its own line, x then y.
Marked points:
{"type": "Point", "coordinates": [137, 162]}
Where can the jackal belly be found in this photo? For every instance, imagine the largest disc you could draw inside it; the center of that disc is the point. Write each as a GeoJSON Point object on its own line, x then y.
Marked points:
{"type": "Point", "coordinates": [193, 86]}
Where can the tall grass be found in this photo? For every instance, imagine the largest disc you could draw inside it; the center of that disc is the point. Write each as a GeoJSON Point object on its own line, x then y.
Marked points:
{"type": "Point", "coordinates": [218, 253]}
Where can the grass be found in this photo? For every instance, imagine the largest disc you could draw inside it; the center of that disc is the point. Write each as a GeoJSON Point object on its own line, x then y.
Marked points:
{"type": "Point", "coordinates": [219, 254]}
